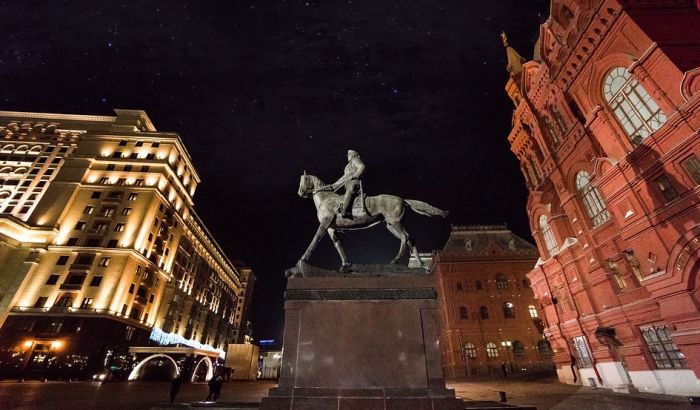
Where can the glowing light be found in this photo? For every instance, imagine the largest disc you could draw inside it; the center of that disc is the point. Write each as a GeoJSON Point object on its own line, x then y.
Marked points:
{"type": "Point", "coordinates": [106, 152]}
{"type": "Point", "coordinates": [56, 344]}
{"type": "Point", "coordinates": [151, 181]}
{"type": "Point", "coordinates": [92, 179]}
{"type": "Point", "coordinates": [162, 338]}
{"type": "Point", "coordinates": [28, 343]}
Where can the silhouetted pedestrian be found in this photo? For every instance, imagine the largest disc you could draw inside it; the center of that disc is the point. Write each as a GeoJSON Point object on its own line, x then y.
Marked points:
{"type": "Point", "coordinates": [218, 383]}
{"type": "Point", "coordinates": [175, 387]}
{"type": "Point", "coordinates": [505, 371]}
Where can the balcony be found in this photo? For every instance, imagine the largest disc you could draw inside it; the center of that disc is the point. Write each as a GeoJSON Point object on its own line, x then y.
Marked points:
{"type": "Point", "coordinates": [96, 231]}
{"type": "Point", "coordinates": [63, 310]}
{"type": "Point", "coordinates": [70, 286]}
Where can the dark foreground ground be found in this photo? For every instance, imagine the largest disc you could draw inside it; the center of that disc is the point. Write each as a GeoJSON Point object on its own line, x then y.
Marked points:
{"type": "Point", "coordinates": [543, 393]}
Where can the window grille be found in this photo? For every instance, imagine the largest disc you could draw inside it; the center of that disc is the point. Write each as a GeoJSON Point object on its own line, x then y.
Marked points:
{"type": "Point", "coordinates": [470, 350]}
{"type": "Point", "coordinates": [549, 241]}
{"type": "Point", "coordinates": [665, 353]}
{"type": "Point", "coordinates": [491, 349]}
{"type": "Point", "coordinates": [583, 355]}
{"type": "Point", "coordinates": [591, 199]}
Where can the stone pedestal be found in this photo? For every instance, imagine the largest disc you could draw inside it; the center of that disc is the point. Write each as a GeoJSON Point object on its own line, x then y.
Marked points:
{"type": "Point", "coordinates": [361, 342]}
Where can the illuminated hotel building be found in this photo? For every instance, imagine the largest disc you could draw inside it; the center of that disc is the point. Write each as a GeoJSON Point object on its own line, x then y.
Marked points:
{"type": "Point", "coordinates": [101, 249]}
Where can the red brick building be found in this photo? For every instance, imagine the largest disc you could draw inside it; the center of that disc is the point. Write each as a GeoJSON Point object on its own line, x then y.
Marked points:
{"type": "Point", "coordinates": [606, 131]}
{"type": "Point", "coordinates": [487, 312]}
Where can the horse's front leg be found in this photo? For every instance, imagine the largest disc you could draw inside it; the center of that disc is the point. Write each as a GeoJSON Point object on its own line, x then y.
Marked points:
{"type": "Point", "coordinates": [339, 247]}
{"type": "Point", "coordinates": [319, 234]}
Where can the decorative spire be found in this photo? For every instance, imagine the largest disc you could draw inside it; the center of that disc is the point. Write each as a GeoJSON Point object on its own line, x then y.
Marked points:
{"type": "Point", "coordinates": [515, 61]}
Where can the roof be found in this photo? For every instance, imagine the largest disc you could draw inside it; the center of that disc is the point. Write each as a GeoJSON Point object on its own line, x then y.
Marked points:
{"type": "Point", "coordinates": [478, 242]}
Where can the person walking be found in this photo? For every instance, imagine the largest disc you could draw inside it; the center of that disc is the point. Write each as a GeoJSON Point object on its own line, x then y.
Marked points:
{"type": "Point", "coordinates": [218, 383]}
{"type": "Point", "coordinates": [175, 387]}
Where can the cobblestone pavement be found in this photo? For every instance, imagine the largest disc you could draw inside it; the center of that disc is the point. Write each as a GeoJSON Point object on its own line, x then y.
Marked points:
{"type": "Point", "coordinates": [542, 393]}
{"type": "Point", "coordinates": [547, 393]}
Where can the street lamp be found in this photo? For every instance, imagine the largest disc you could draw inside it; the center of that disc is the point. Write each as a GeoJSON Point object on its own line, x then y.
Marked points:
{"type": "Point", "coordinates": [507, 344]}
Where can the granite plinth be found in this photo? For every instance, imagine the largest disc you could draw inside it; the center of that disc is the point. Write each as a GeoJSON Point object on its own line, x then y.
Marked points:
{"type": "Point", "coordinates": [361, 342]}
{"type": "Point", "coordinates": [303, 269]}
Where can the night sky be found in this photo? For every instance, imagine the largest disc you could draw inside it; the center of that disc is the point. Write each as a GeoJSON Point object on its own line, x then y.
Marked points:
{"type": "Point", "coordinates": [260, 91]}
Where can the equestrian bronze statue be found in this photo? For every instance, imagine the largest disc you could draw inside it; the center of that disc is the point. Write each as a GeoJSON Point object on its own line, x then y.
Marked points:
{"type": "Point", "coordinates": [366, 211]}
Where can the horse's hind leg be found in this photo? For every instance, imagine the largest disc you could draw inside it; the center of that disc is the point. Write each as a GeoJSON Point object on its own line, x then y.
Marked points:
{"type": "Point", "coordinates": [397, 230]}
{"type": "Point", "coordinates": [339, 248]}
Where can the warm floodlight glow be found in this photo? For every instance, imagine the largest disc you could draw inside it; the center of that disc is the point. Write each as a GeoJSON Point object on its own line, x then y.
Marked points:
{"type": "Point", "coordinates": [28, 343]}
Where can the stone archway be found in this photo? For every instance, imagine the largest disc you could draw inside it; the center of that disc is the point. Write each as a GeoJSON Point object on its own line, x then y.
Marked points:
{"type": "Point", "coordinates": [210, 369]}
{"type": "Point", "coordinates": [135, 373]}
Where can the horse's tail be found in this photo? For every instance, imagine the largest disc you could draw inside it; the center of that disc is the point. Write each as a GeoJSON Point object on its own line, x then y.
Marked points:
{"type": "Point", "coordinates": [423, 208]}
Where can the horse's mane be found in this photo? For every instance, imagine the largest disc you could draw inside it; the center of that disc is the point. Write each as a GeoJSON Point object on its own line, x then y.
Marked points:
{"type": "Point", "coordinates": [316, 181]}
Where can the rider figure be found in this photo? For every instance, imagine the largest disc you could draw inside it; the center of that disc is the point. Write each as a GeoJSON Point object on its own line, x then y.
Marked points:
{"type": "Point", "coordinates": [351, 181]}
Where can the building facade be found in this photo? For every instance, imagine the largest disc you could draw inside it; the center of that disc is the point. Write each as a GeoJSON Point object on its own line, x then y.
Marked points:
{"type": "Point", "coordinates": [489, 321]}
{"type": "Point", "coordinates": [606, 131]}
{"type": "Point", "coordinates": [101, 249]}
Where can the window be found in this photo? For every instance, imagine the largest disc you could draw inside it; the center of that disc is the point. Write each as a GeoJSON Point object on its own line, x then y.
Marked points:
{"type": "Point", "coordinates": [533, 311]}
{"type": "Point", "coordinates": [518, 349]}
{"type": "Point", "coordinates": [122, 143]}
{"type": "Point", "coordinates": [139, 143]}
{"type": "Point", "coordinates": [544, 348]}
{"type": "Point", "coordinates": [617, 277]}
{"type": "Point", "coordinates": [491, 349]}
{"type": "Point", "coordinates": [52, 280]}
{"type": "Point", "coordinates": [107, 211]}
{"type": "Point", "coordinates": [96, 280]}
{"type": "Point", "coordinates": [508, 310]}
{"type": "Point", "coordinates": [95, 195]}
{"type": "Point", "coordinates": [72, 242]}
{"type": "Point", "coordinates": [463, 314]}
{"type": "Point", "coordinates": [62, 260]}
{"type": "Point", "coordinates": [666, 188]}
{"type": "Point", "coordinates": [501, 282]}
{"type": "Point", "coordinates": [634, 265]}
{"type": "Point", "coordinates": [40, 302]}
{"type": "Point", "coordinates": [145, 168]}
{"type": "Point", "coordinates": [92, 242]}
{"type": "Point", "coordinates": [127, 168]}
{"type": "Point", "coordinates": [88, 210]}
{"type": "Point", "coordinates": [470, 350]}
{"type": "Point", "coordinates": [665, 353]}
{"type": "Point", "coordinates": [87, 302]}
{"type": "Point", "coordinates": [692, 167]}
{"type": "Point", "coordinates": [155, 144]}
{"type": "Point", "coordinates": [80, 226]}
{"type": "Point", "coordinates": [117, 154]}
{"type": "Point", "coordinates": [549, 242]}
{"type": "Point", "coordinates": [112, 243]}
{"type": "Point", "coordinates": [132, 197]}
{"type": "Point", "coordinates": [119, 227]}
{"type": "Point", "coordinates": [478, 285]}
{"type": "Point", "coordinates": [104, 262]}
{"type": "Point", "coordinates": [484, 312]}
{"type": "Point", "coordinates": [131, 288]}
{"type": "Point", "coordinates": [64, 301]}
{"type": "Point", "coordinates": [104, 180]}
{"type": "Point", "coordinates": [583, 355]}
{"type": "Point", "coordinates": [75, 279]}
{"type": "Point", "coordinates": [591, 199]}
{"type": "Point", "coordinates": [126, 211]}
{"type": "Point", "coordinates": [124, 308]}
{"type": "Point", "coordinates": [121, 181]}
{"type": "Point", "coordinates": [110, 167]}
{"type": "Point", "coordinates": [634, 108]}
{"type": "Point", "coordinates": [138, 182]}
{"type": "Point", "coordinates": [100, 226]}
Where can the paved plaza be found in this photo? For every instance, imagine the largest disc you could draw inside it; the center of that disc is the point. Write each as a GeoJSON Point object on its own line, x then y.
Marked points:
{"type": "Point", "coordinates": [543, 393]}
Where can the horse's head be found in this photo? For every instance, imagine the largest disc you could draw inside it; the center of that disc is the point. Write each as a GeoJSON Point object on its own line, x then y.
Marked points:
{"type": "Point", "coordinates": [306, 185]}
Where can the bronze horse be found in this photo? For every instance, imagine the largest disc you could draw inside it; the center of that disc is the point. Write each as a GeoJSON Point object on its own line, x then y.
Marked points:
{"type": "Point", "coordinates": [387, 208]}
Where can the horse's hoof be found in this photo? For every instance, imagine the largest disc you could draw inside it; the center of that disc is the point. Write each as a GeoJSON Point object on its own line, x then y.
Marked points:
{"type": "Point", "coordinates": [345, 267]}
{"type": "Point", "coordinates": [394, 262]}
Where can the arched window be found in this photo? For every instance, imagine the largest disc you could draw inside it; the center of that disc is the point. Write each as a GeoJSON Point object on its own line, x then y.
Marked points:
{"type": "Point", "coordinates": [20, 171]}
{"type": "Point", "coordinates": [533, 311]}
{"type": "Point", "coordinates": [463, 314]}
{"type": "Point", "coordinates": [478, 285]}
{"type": "Point", "coordinates": [6, 170]}
{"type": "Point", "coordinates": [470, 350]}
{"type": "Point", "coordinates": [544, 348]}
{"type": "Point", "coordinates": [591, 199]}
{"type": "Point", "coordinates": [501, 281]}
{"type": "Point", "coordinates": [632, 105]}
{"type": "Point", "coordinates": [491, 349]}
{"type": "Point", "coordinates": [9, 147]}
{"type": "Point", "coordinates": [35, 149]}
{"type": "Point", "coordinates": [518, 349]}
{"type": "Point", "coordinates": [549, 241]}
{"type": "Point", "coordinates": [22, 148]}
{"type": "Point", "coordinates": [508, 310]}
{"type": "Point", "coordinates": [4, 195]}
{"type": "Point", "coordinates": [484, 312]}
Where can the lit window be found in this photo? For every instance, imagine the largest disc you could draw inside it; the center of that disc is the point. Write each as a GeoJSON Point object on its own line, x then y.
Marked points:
{"type": "Point", "coordinates": [96, 280]}
{"type": "Point", "coordinates": [119, 227]}
{"type": "Point", "coordinates": [665, 353]}
{"type": "Point", "coordinates": [470, 350]}
{"type": "Point", "coordinates": [88, 210]}
{"type": "Point", "coordinates": [87, 302]}
{"type": "Point", "coordinates": [126, 211]}
{"type": "Point", "coordinates": [591, 199]}
{"type": "Point", "coordinates": [104, 262]}
{"type": "Point", "coordinates": [549, 241]}
{"type": "Point", "coordinates": [632, 105]}
{"type": "Point", "coordinates": [533, 311]}
{"type": "Point", "coordinates": [545, 348]}
{"type": "Point", "coordinates": [491, 349]}
{"type": "Point", "coordinates": [80, 226]}
{"type": "Point", "coordinates": [132, 197]}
